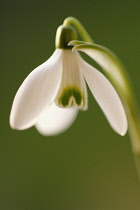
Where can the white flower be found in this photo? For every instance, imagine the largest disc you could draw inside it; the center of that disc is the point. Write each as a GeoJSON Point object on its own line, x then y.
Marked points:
{"type": "Point", "coordinates": [51, 95]}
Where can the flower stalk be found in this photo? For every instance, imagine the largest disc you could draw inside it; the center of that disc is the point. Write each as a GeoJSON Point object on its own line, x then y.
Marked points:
{"type": "Point", "coordinates": [116, 73]}
{"type": "Point", "coordinates": [80, 28]}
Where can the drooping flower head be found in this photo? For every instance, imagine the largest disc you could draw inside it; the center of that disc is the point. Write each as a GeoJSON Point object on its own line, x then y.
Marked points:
{"type": "Point", "coordinates": [53, 93]}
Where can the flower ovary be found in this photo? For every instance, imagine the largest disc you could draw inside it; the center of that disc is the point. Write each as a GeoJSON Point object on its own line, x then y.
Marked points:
{"type": "Point", "coordinates": [64, 35]}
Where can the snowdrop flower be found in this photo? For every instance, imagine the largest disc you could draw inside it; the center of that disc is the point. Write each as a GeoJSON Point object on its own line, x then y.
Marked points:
{"type": "Point", "coordinates": [53, 93]}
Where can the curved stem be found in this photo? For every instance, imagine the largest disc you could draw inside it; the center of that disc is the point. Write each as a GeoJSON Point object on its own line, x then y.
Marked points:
{"type": "Point", "coordinates": [120, 80]}
{"type": "Point", "coordinates": [82, 31]}
{"type": "Point", "coordinates": [130, 104]}
{"type": "Point", "coordinates": [116, 73]}
{"type": "Point", "coordinates": [134, 132]}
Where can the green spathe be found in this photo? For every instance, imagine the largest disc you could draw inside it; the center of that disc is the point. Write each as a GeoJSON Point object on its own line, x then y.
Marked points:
{"type": "Point", "coordinates": [70, 93]}
{"type": "Point", "coordinates": [64, 35]}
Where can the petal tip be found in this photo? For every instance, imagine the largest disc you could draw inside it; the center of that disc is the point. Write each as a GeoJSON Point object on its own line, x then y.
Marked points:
{"type": "Point", "coordinates": [17, 124]}
{"type": "Point", "coordinates": [123, 130]}
{"type": "Point", "coordinates": [122, 133]}
{"type": "Point", "coordinates": [14, 126]}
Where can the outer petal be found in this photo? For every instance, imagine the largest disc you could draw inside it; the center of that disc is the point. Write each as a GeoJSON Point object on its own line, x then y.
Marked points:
{"type": "Point", "coordinates": [109, 62]}
{"type": "Point", "coordinates": [36, 92]}
{"type": "Point", "coordinates": [106, 97]}
{"type": "Point", "coordinates": [55, 120]}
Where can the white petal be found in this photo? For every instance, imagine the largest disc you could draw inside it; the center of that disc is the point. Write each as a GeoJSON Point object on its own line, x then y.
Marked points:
{"type": "Point", "coordinates": [72, 89]}
{"type": "Point", "coordinates": [36, 92]}
{"type": "Point", "coordinates": [55, 120]}
{"type": "Point", "coordinates": [106, 97]}
{"type": "Point", "coordinates": [109, 62]}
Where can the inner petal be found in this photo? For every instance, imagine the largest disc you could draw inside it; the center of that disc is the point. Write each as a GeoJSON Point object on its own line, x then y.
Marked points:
{"type": "Point", "coordinates": [72, 91]}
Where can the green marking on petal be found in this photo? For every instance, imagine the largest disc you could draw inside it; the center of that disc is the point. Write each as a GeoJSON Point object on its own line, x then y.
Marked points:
{"type": "Point", "coordinates": [70, 95]}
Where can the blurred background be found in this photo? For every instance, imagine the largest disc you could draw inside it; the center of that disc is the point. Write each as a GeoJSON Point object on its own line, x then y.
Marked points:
{"type": "Point", "coordinates": [89, 166]}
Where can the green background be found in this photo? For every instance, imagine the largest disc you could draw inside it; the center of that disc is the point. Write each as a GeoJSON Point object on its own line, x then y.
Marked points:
{"type": "Point", "coordinates": [89, 166]}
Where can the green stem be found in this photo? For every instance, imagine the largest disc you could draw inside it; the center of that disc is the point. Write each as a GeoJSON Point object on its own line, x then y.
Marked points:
{"type": "Point", "coordinates": [120, 80]}
{"type": "Point", "coordinates": [115, 72]}
{"type": "Point", "coordinates": [126, 93]}
{"type": "Point", "coordinates": [82, 31]}
{"type": "Point", "coordinates": [129, 101]}
{"type": "Point", "coordinates": [124, 89]}
{"type": "Point", "coordinates": [130, 105]}
{"type": "Point", "coordinates": [134, 130]}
